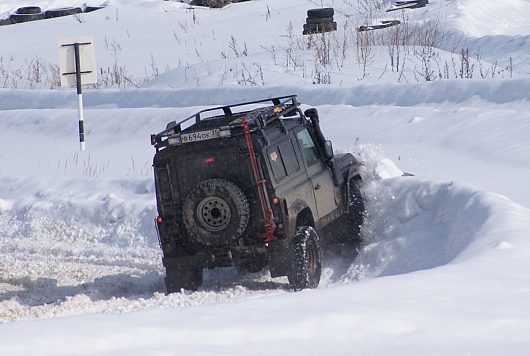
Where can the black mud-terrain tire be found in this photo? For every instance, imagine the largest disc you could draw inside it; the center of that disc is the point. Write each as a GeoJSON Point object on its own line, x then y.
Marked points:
{"type": "Point", "coordinates": [20, 18]}
{"type": "Point", "coordinates": [318, 20]}
{"type": "Point", "coordinates": [65, 11]}
{"type": "Point", "coordinates": [356, 207]}
{"type": "Point", "coordinates": [93, 8]}
{"type": "Point", "coordinates": [26, 10]}
{"type": "Point", "coordinates": [319, 28]}
{"type": "Point", "coordinates": [305, 265]}
{"type": "Point", "coordinates": [216, 212]}
{"type": "Point", "coordinates": [345, 232]}
{"type": "Point", "coordinates": [325, 12]}
{"type": "Point", "coordinates": [180, 277]}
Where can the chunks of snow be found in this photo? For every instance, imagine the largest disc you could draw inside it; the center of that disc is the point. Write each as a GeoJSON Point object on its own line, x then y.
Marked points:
{"type": "Point", "coordinates": [5, 206]}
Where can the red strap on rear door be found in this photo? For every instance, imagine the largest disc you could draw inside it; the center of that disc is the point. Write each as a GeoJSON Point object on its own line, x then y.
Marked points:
{"type": "Point", "coordinates": [268, 216]}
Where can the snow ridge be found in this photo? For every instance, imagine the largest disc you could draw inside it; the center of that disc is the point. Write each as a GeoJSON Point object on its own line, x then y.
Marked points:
{"type": "Point", "coordinates": [444, 91]}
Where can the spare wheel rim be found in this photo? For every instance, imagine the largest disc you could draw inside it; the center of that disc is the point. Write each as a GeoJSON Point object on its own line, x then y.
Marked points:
{"type": "Point", "coordinates": [214, 213]}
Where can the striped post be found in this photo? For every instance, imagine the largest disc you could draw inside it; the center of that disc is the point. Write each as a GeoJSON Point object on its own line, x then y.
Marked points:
{"type": "Point", "coordinates": [79, 98]}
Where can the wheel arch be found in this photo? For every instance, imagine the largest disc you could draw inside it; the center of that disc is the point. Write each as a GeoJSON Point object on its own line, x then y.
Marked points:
{"type": "Point", "coordinates": [305, 218]}
{"type": "Point", "coordinates": [300, 214]}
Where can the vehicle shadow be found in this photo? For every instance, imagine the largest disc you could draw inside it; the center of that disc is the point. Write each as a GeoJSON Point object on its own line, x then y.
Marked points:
{"type": "Point", "coordinates": [43, 290]}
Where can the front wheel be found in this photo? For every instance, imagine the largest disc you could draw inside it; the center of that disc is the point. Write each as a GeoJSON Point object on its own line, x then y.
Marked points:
{"type": "Point", "coordinates": [306, 265]}
{"type": "Point", "coordinates": [356, 208]}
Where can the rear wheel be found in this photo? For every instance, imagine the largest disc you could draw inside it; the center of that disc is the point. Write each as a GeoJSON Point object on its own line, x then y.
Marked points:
{"type": "Point", "coordinates": [306, 266]}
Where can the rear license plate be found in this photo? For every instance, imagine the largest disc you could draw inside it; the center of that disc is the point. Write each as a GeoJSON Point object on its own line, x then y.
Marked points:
{"type": "Point", "coordinates": [200, 135]}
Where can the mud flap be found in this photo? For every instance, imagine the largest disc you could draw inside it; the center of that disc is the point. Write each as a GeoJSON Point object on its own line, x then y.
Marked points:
{"type": "Point", "coordinates": [182, 273]}
{"type": "Point", "coordinates": [279, 257]}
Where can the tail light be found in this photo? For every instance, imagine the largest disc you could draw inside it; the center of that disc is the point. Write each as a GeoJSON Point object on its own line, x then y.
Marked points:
{"type": "Point", "coordinates": [209, 160]}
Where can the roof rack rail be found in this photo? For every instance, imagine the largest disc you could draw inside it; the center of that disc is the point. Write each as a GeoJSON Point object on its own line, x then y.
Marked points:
{"type": "Point", "coordinates": [281, 106]}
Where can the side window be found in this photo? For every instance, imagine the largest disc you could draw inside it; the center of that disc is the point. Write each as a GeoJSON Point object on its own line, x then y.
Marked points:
{"type": "Point", "coordinates": [289, 158]}
{"type": "Point", "coordinates": [164, 185]}
{"type": "Point", "coordinates": [283, 160]}
{"type": "Point", "coordinates": [307, 146]}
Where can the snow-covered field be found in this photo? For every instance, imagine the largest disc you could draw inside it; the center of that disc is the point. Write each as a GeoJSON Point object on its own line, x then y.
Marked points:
{"type": "Point", "coordinates": [445, 268]}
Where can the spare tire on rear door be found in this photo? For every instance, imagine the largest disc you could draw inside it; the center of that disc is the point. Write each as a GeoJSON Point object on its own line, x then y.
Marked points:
{"type": "Point", "coordinates": [216, 212]}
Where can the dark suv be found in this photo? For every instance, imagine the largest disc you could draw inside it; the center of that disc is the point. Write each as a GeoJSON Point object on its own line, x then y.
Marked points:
{"type": "Point", "coordinates": [252, 185]}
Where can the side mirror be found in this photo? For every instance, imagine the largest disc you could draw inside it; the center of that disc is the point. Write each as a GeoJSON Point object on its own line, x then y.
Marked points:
{"type": "Point", "coordinates": [328, 149]}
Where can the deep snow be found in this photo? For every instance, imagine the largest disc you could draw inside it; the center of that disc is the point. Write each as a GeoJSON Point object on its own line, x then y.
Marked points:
{"type": "Point", "coordinates": [445, 268]}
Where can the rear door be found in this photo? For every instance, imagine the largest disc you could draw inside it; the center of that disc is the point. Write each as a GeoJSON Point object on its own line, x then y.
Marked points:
{"type": "Point", "coordinates": [319, 174]}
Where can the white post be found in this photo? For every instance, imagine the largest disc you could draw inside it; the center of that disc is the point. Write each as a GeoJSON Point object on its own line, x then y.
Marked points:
{"type": "Point", "coordinates": [71, 71]}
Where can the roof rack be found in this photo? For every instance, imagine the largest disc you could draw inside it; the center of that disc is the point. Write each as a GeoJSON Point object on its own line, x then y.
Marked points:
{"type": "Point", "coordinates": [281, 106]}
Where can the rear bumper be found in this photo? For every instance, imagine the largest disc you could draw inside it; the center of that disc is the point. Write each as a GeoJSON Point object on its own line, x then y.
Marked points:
{"type": "Point", "coordinates": [220, 257]}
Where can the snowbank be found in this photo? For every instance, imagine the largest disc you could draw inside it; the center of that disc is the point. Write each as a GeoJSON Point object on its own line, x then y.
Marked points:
{"type": "Point", "coordinates": [446, 91]}
{"type": "Point", "coordinates": [427, 225]}
{"type": "Point", "coordinates": [466, 238]}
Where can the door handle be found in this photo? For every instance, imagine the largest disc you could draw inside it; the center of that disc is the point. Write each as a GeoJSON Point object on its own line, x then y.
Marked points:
{"type": "Point", "coordinates": [317, 187]}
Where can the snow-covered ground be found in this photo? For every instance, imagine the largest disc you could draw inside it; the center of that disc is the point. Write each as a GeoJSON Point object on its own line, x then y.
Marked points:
{"type": "Point", "coordinates": [445, 268]}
